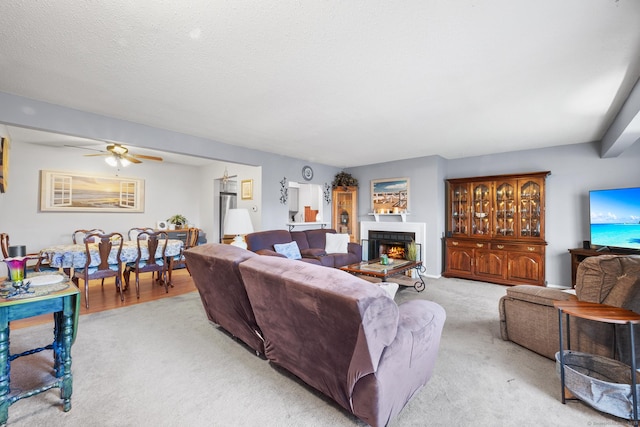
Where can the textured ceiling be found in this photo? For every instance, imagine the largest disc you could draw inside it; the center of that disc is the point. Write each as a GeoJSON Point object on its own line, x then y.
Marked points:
{"type": "Point", "coordinates": [344, 83]}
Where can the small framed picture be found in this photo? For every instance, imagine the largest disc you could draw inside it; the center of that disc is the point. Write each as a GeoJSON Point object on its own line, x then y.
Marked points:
{"type": "Point", "coordinates": [246, 189]}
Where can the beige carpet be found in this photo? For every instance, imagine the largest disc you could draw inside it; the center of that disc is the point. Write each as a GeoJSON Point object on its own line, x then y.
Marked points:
{"type": "Point", "coordinates": [162, 364]}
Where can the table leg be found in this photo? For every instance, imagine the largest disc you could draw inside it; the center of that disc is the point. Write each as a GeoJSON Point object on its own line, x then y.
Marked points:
{"type": "Point", "coordinates": [4, 370]}
{"type": "Point", "coordinates": [64, 331]}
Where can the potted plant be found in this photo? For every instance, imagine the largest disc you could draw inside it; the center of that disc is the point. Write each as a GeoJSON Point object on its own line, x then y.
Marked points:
{"type": "Point", "coordinates": [343, 179]}
{"type": "Point", "coordinates": [412, 251]}
{"type": "Point", "coordinates": [177, 221]}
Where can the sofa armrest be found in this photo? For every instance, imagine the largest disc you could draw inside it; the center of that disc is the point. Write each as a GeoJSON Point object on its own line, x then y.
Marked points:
{"type": "Point", "coordinates": [269, 252]}
{"type": "Point", "coordinates": [405, 365]}
{"type": "Point", "coordinates": [538, 294]}
{"type": "Point", "coordinates": [355, 248]}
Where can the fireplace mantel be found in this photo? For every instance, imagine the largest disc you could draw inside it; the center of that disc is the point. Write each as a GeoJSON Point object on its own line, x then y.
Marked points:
{"type": "Point", "coordinates": [402, 215]}
{"type": "Point", "coordinates": [419, 228]}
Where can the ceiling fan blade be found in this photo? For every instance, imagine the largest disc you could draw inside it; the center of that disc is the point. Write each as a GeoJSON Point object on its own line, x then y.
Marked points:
{"type": "Point", "coordinates": [97, 154]}
{"type": "Point", "coordinates": [143, 156]}
{"type": "Point", "coordinates": [84, 148]}
{"type": "Point", "coordinates": [130, 158]}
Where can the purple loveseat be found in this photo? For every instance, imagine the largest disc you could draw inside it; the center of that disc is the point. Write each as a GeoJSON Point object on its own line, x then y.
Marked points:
{"type": "Point", "coordinates": [311, 243]}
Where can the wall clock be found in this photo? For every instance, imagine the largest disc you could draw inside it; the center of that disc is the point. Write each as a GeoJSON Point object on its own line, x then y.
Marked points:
{"type": "Point", "coordinates": [307, 173]}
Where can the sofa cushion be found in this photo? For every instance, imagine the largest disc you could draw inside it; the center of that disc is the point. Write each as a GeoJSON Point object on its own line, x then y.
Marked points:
{"type": "Point", "coordinates": [266, 239]}
{"type": "Point", "coordinates": [313, 252]}
{"type": "Point", "coordinates": [316, 238]}
{"type": "Point", "coordinates": [290, 250]}
{"type": "Point", "coordinates": [336, 243]}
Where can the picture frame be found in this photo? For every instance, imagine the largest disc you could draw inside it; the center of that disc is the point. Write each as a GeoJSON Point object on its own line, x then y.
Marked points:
{"type": "Point", "coordinates": [390, 195]}
{"type": "Point", "coordinates": [62, 191]}
{"type": "Point", "coordinates": [4, 163]}
{"type": "Point", "coordinates": [246, 189]}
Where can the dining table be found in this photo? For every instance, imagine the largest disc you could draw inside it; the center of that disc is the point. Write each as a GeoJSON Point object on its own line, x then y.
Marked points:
{"type": "Point", "coordinates": [68, 256]}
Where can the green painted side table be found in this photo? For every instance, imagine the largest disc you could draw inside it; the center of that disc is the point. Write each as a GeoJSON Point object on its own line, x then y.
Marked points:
{"type": "Point", "coordinates": [65, 306]}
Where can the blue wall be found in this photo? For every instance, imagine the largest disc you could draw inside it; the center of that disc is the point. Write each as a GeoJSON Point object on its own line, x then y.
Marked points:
{"type": "Point", "coordinates": [575, 169]}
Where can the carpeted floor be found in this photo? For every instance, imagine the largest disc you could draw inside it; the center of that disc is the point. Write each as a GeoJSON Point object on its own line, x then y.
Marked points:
{"type": "Point", "coordinates": [163, 364]}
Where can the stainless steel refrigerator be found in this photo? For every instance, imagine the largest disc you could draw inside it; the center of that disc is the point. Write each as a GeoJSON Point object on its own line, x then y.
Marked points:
{"type": "Point", "coordinates": [227, 201]}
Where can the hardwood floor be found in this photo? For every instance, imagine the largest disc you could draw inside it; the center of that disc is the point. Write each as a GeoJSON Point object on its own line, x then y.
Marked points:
{"type": "Point", "coordinates": [107, 298]}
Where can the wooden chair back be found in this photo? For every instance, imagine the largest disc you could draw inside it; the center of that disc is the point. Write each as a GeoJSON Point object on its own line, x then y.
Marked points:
{"type": "Point", "coordinates": [104, 269]}
{"type": "Point", "coordinates": [79, 235]}
{"type": "Point", "coordinates": [153, 240]}
{"type": "Point", "coordinates": [192, 238]}
{"type": "Point", "coordinates": [156, 261]}
{"type": "Point", "coordinates": [190, 242]}
{"type": "Point", "coordinates": [133, 232]}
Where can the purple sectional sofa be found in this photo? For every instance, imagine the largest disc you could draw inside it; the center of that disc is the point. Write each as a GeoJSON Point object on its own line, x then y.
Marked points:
{"type": "Point", "coordinates": [342, 335]}
{"type": "Point", "coordinates": [311, 243]}
{"type": "Point", "coordinates": [215, 272]}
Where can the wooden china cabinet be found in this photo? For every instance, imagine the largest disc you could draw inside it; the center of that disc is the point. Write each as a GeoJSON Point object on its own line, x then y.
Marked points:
{"type": "Point", "coordinates": [345, 211]}
{"type": "Point", "coordinates": [495, 229]}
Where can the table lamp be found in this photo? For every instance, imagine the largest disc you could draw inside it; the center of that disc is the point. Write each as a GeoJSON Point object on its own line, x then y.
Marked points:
{"type": "Point", "coordinates": [238, 222]}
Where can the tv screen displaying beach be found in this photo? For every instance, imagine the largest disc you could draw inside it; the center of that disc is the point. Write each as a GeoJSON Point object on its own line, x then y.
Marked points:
{"type": "Point", "coordinates": [615, 217]}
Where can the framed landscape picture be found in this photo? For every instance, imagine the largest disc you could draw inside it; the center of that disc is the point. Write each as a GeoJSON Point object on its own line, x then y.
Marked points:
{"type": "Point", "coordinates": [390, 195]}
{"type": "Point", "coordinates": [76, 192]}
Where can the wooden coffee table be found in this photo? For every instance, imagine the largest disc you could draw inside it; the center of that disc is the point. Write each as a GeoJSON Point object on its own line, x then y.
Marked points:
{"type": "Point", "coordinates": [373, 268]}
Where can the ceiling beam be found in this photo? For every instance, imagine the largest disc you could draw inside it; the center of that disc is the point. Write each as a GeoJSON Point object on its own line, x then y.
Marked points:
{"type": "Point", "coordinates": [625, 129]}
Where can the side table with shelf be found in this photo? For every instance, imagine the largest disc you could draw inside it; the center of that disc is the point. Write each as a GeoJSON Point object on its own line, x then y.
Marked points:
{"type": "Point", "coordinates": [612, 400]}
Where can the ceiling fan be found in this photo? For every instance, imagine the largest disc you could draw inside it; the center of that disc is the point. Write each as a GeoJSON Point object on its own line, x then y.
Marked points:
{"type": "Point", "coordinates": [118, 154]}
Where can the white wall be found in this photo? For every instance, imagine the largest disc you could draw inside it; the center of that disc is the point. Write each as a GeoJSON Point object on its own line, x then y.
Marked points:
{"type": "Point", "coordinates": [575, 169]}
{"type": "Point", "coordinates": [168, 190]}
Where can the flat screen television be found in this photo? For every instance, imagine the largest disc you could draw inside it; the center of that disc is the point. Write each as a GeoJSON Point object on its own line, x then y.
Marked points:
{"type": "Point", "coordinates": [615, 218]}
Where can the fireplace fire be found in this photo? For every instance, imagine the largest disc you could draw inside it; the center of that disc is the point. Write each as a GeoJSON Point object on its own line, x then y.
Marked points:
{"type": "Point", "coordinates": [394, 244]}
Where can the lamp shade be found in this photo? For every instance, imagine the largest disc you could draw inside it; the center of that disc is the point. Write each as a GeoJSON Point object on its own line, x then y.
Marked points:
{"type": "Point", "coordinates": [238, 222]}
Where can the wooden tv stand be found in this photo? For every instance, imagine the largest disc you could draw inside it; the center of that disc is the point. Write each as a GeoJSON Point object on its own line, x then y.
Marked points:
{"type": "Point", "coordinates": [578, 255]}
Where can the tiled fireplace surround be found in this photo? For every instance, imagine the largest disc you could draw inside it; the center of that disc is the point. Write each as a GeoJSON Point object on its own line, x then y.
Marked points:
{"type": "Point", "coordinates": [418, 228]}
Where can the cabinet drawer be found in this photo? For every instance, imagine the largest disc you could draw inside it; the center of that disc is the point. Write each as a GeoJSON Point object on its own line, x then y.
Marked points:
{"type": "Point", "coordinates": [517, 247]}
{"type": "Point", "coordinates": [455, 243]}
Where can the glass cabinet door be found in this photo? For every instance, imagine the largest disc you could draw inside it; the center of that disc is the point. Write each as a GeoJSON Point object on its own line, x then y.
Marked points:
{"type": "Point", "coordinates": [459, 209]}
{"type": "Point", "coordinates": [530, 208]}
{"type": "Point", "coordinates": [481, 209]}
{"type": "Point", "coordinates": [505, 209]}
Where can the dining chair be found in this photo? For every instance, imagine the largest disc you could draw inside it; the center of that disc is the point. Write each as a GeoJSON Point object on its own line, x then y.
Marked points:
{"type": "Point", "coordinates": [155, 261]}
{"type": "Point", "coordinates": [106, 266]}
{"type": "Point", "coordinates": [42, 263]}
{"type": "Point", "coordinates": [133, 232]}
{"type": "Point", "coordinates": [190, 241]}
{"type": "Point", "coordinates": [79, 235]}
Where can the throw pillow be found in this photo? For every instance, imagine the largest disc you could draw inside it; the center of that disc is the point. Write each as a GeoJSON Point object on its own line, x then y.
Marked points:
{"type": "Point", "coordinates": [290, 250]}
{"type": "Point", "coordinates": [336, 243]}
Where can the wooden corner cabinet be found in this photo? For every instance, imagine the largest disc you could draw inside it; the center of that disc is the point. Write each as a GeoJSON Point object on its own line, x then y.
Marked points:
{"type": "Point", "coordinates": [345, 211]}
{"type": "Point", "coordinates": [495, 229]}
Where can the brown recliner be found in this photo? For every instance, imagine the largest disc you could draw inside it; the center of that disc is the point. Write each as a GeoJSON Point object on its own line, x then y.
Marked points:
{"type": "Point", "coordinates": [528, 317]}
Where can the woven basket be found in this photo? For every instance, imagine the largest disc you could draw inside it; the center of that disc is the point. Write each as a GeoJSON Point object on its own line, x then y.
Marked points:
{"type": "Point", "coordinates": [601, 382]}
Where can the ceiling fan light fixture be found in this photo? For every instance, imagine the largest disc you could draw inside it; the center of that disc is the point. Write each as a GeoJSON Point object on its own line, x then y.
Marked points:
{"type": "Point", "coordinates": [124, 162]}
{"type": "Point", "coordinates": [111, 161]}
{"type": "Point", "coordinates": [117, 149]}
